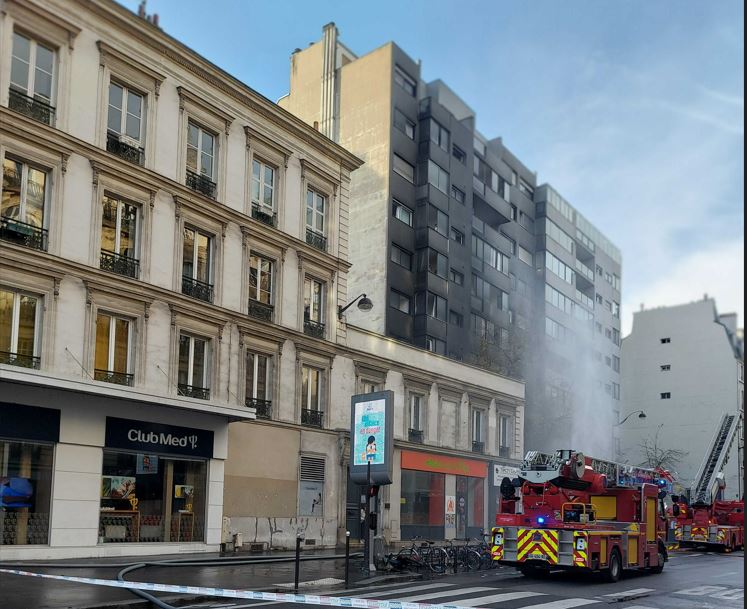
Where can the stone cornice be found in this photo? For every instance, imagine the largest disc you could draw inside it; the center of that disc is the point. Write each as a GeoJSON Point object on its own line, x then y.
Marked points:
{"type": "Point", "coordinates": [107, 52]}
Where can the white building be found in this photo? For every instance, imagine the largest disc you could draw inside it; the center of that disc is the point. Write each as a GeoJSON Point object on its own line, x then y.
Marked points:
{"type": "Point", "coordinates": [684, 368]}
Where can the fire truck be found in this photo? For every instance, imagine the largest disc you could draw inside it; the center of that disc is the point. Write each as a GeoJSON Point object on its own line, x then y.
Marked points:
{"type": "Point", "coordinates": [580, 513]}
{"type": "Point", "coordinates": [707, 520]}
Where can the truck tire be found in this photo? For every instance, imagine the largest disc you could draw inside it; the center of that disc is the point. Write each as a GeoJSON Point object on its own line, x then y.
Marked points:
{"type": "Point", "coordinates": [660, 567]}
{"type": "Point", "coordinates": [614, 569]}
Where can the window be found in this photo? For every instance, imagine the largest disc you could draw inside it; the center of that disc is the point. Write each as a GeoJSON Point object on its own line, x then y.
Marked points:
{"type": "Point", "coordinates": [401, 257]}
{"type": "Point", "coordinates": [196, 265]}
{"type": "Point", "coordinates": [525, 255]}
{"type": "Point", "coordinates": [261, 279]}
{"type": "Point", "coordinates": [514, 178]}
{"type": "Point", "coordinates": [19, 329]}
{"type": "Point", "coordinates": [511, 243]}
{"type": "Point", "coordinates": [200, 151]}
{"type": "Point", "coordinates": [439, 135]}
{"type": "Point", "coordinates": [112, 356]}
{"type": "Point", "coordinates": [400, 301]}
{"type": "Point", "coordinates": [438, 220]}
{"type": "Point", "coordinates": [313, 300]}
{"type": "Point", "coordinates": [311, 396]}
{"type": "Point", "coordinates": [665, 341]}
{"type": "Point", "coordinates": [456, 277]}
{"type": "Point", "coordinates": [459, 154]}
{"type": "Point", "coordinates": [599, 269]}
{"type": "Point", "coordinates": [608, 333]}
{"type": "Point", "coordinates": [483, 328]}
{"type": "Point", "coordinates": [119, 224]}
{"type": "Point", "coordinates": [615, 391]}
{"type": "Point", "coordinates": [559, 235]}
{"type": "Point", "coordinates": [505, 431]}
{"type": "Point", "coordinates": [435, 345]}
{"type": "Point", "coordinates": [616, 282]}
{"type": "Point", "coordinates": [263, 187]}
{"type": "Point", "coordinates": [526, 188]}
{"type": "Point", "coordinates": [616, 363]}
{"type": "Point", "coordinates": [316, 209]}
{"type": "Point", "coordinates": [666, 395]}
{"type": "Point", "coordinates": [428, 303]}
{"type": "Point", "coordinates": [32, 79]}
{"type": "Point", "coordinates": [456, 319]}
{"type": "Point", "coordinates": [416, 412]}
{"type": "Point", "coordinates": [404, 124]}
{"type": "Point", "coordinates": [559, 268]}
{"type": "Point", "coordinates": [457, 235]}
{"type": "Point", "coordinates": [665, 367]}
{"type": "Point", "coordinates": [486, 253]}
{"type": "Point", "coordinates": [477, 426]}
{"type": "Point", "coordinates": [599, 299]}
{"type": "Point", "coordinates": [555, 330]}
{"type": "Point", "coordinates": [479, 146]}
{"type": "Point", "coordinates": [608, 305]}
{"type": "Point", "coordinates": [438, 177]}
{"type": "Point", "coordinates": [402, 212]}
{"type": "Point", "coordinates": [24, 200]}
{"type": "Point", "coordinates": [193, 376]}
{"type": "Point", "coordinates": [125, 115]}
{"type": "Point", "coordinates": [434, 262]}
{"type": "Point", "coordinates": [514, 212]}
{"type": "Point", "coordinates": [559, 300]}
{"type": "Point", "coordinates": [258, 382]}
{"type": "Point", "coordinates": [403, 168]}
{"type": "Point", "coordinates": [608, 277]}
{"type": "Point", "coordinates": [616, 336]}
{"type": "Point", "coordinates": [458, 195]}
{"type": "Point", "coordinates": [311, 486]}
{"type": "Point", "coordinates": [615, 309]}
{"type": "Point", "coordinates": [404, 81]}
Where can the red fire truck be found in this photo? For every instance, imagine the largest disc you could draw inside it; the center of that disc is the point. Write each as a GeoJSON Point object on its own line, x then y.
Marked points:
{"type": "Point", "coordinates": [580, 513]}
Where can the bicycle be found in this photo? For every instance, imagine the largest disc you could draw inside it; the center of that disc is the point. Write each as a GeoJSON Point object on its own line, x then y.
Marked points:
{"type": "Point", "coordinates": [424, 556]}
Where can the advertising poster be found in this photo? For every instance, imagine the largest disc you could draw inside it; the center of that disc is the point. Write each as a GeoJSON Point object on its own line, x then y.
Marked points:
{"type": "Point", "coordinates": [450, 512]}
{"type": "Point", "coordinates": [370, 433]}
{"type": "Point", "coordinates": [184, 491]}
{"type": "Point", "coordinates": [146, 464]}
{"type": "Point", "coordinates": [117, 487]}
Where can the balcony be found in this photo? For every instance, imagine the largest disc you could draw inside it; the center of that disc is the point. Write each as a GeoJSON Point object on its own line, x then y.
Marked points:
{"type": "Point", "coordinates": [24, 234]}
{"type": "Point", "coordinates": [32, 107]}
{"type": "Point", "coordinates": [585, 270]}
{"type": "Point", "coordinates": [415, 435]}
{"type": "Point", "coordinates": [317, 240]}
{"type": "Point", "coordinates": [197, 289]}
{"type": "Point", "coordinates": [263, 407]}
{"type": "Point", "coordinates": [19, 359]}
{"type": "Point", "coordinates": [261, 310]}
{"type": "Point", "coordinates": [190, 391]}
{"type": "Point", "coordinates": [201, 184]}
{"type": "Point", "coordinates": [264, 215]}
{"type": "Point", "coordinates": [478, 447]}
{"type": "Point", "coordinates": [129, 153]}
{"type": "Point", "coordinates": [312, 418]}
{"type": "Point", "coordinates": [313, 328]}
{"type": "Point", "coordinates": [110, 376]}
{"type": "Point", "coordinates": [116, 263]}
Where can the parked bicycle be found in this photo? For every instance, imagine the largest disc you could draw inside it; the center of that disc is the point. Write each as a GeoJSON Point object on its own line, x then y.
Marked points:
{"type": "Point", "coordinates": [425, 555]}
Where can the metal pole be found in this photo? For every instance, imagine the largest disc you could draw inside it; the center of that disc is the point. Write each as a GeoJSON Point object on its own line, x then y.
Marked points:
{"type": "Point", "coordinates": [367, 526]}
{"type": "Point", "coordinates": [347, 559]}
{"type": "Point", "coordinates": [298, 563]}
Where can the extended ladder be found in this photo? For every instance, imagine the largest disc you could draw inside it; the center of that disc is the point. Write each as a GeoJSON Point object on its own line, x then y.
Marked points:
{"type": "Point", "coordinates": [702, 490]}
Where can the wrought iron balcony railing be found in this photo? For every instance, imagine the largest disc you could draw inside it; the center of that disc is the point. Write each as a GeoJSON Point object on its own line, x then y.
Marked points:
{"type": "Point", "coordinates": [261, 310]}
{"type": "Point", "coordinates": [197, 289]}
{"type": "Point", "coordinates": [317, 240]}
{"type": "Point", "coordinates": [24, 234]}
{"type": "Point", "coordinates": [415, 435]}
{"type": "Point", "coordinates": [312, 418]}
{"type": "Point", "coordinates": [132, 154]}
{"type": "Point", "coordinates": [504, 451]}
{"type": "Point", "coordinates": [264, 215]}
{"type": "Point", "coordinates": [19, 359]}
{"type": "Point", "coordinates": [110, 376]}
{"type": "Point", "coordinates": [122, 265]}
{"type": "Point", "coordinates": [313, 328]}
{"type": "Point", "coordinates": [32, 107]}
{"type": "Point", "coordinates": [263, 407]}
{"type": "Point", "coordinates": [478, 447]}
{"type": "Point", "coordinates": [201, 184]}
{"type": "Point", "coordinates": [190, 391]}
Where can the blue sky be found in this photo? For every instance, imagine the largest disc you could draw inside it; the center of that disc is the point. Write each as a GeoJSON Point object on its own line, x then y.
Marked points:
{"type": "Point", "coordinates": [633, 111]}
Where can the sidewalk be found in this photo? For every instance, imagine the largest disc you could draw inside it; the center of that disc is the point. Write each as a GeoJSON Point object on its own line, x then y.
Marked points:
{"type": "Point", "coordinates": [19, 592]}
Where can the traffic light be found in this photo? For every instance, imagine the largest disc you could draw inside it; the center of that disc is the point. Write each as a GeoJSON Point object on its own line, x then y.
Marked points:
{"type": "Point", "coordinates": [373, 520]}
{"type": "Point", "coordinates": [373, 490]}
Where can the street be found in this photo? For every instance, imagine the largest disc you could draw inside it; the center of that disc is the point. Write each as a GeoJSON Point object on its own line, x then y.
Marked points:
{"type": "Point", "coordinates": [691, 580]}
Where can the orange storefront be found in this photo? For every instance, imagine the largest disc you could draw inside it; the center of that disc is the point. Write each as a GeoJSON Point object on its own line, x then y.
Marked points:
{"type": "Point", "coordinates": [441, 497]}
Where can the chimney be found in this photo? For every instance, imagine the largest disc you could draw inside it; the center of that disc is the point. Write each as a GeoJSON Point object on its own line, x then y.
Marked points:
{"type": "Point", "coordinates": [316, 125]}
{"type": "Point", "coordinates": [141, 10]}
{"type": "Point", "coordinates": [155, 19]}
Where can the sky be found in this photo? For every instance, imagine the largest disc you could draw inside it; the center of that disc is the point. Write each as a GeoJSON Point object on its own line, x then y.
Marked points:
{"type": "Point", "coordinates": [633, 111]}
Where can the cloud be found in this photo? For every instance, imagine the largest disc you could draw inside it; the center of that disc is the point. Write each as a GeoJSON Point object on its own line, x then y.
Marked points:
{"type": "Point", "coordinates": [716, 271]}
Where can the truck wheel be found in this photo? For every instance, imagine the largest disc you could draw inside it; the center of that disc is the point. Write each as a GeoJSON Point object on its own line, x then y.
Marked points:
{"type": "Point", "coordinates": [659, 567]}
{"type": "Point", "coordinates": [614, 569]}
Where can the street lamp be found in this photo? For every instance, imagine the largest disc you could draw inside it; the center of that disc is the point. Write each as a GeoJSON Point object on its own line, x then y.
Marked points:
{"type": "Point", "coordinates": [641, 415]}
{"type": "Point", "coordinates": [364, 304]}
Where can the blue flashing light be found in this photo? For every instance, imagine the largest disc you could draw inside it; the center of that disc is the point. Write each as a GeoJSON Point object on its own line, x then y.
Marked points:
{"type": "Point", "coordinates": [540, 520]}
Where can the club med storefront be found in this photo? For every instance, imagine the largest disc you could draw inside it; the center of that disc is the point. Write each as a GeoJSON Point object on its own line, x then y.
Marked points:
{"type": "Point", "coordinates": [85, 475]}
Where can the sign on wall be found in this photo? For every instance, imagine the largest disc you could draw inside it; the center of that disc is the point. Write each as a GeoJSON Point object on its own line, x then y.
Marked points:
{"type": "Point", "coordinates": [503, 471]}
{"type": "Point", "coordinates": [146, 437]}
{"type": "Point", "coordinates": [19, 422]}
{"type": "Point", "coordinates": [371, 428]}
{"type": "Point", "coordinates": [450, 512]}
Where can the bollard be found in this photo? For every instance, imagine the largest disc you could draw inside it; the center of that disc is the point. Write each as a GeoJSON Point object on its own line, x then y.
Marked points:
{"type": "Point", "coordinates": [298, 563]}
{"type": "Point", "coordinates": [347, 559]}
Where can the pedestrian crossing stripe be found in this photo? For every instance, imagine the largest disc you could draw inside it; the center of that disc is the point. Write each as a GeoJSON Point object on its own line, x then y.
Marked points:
{"type": "Point", "coordinates": [538, 543]}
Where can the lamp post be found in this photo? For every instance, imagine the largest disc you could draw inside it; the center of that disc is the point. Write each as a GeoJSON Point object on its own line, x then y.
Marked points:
{"type": "Point", "coordinates": [641, 415]}
{"type": "Point", "coordinates": [364, 304]}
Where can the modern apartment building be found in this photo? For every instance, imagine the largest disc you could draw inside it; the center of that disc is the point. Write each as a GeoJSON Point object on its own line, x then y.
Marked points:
{"type": "Point", "coordinates": [684, 367]}
{"type": "Point", "coordinates": [173, 260]}
{"type": "Point", "coordinates": [474, 258]}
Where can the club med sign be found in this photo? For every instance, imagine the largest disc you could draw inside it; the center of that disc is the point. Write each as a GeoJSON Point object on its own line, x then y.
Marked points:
{"type": "Point", "coordinates": [156, 438]}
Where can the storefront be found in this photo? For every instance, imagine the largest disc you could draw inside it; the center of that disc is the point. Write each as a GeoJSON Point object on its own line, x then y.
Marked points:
{"type": "Point", "coordinates": [441, 497]}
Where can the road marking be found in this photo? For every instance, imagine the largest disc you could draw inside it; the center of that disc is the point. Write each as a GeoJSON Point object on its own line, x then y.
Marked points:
{"type": "Point", "coordinates": [451, 595]}
{"type": "Point", "coordinates": [633, 592]}
{"type": "Point", "coordinates": [374, 594]}
{"type": "Point", "coordinates": [566, 603]}
{"type": "Point", "coordinates": [692, 555]}
{"type": "Point", "coordinates": [482, 601]}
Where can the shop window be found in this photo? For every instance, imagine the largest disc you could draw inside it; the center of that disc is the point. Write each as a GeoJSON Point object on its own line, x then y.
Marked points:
{"type": "Point", "coordinates": [311, 486]}
{"type": "Point", "coordinates": [422, 505]}
{"type": "Point", "coordinates": [150, 498]}
{"type": "Point", "coordinates": [25, 492]}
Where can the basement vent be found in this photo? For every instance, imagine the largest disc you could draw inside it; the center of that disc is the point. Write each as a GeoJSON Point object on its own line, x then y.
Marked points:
{"type": "Point", "coordinates": [310, 542]}
{"type": "Point", "coordinates": [312, 469]}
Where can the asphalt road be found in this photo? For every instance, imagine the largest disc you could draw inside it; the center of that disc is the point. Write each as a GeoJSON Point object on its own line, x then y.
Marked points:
{"type": "Point", "coordinates": [691, 580]}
